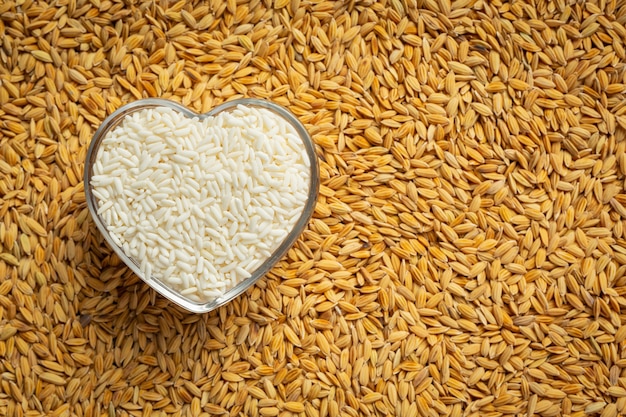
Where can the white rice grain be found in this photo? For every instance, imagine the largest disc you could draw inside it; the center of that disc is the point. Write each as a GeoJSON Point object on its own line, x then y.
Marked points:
{"type": "Point", "coordinates": [200, 204]}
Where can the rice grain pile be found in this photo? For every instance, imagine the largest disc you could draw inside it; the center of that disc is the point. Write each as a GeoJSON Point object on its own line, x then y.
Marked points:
{"type": "Point", "coordinates": [199, 205]}
{"type": "Point", "coordinates": [467, 253]}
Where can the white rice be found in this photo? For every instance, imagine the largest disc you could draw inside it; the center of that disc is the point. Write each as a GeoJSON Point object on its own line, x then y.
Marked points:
{"type": "Point", "coordinates": [200, 204]}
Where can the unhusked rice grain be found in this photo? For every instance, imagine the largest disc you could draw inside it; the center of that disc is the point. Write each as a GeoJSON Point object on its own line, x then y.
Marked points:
{"type": "Point", "coordinates": [392, 302]}
{"type": "Point", "coordinates": [200, 204]}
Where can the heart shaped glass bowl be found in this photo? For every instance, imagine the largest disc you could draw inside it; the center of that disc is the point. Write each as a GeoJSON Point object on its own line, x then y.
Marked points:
{"type": "Point", "coordinates": [117, 117]}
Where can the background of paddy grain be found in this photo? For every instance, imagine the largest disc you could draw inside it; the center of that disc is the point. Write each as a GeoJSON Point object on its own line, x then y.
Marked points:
{"type": "Point", "coordinates": [467, 254]}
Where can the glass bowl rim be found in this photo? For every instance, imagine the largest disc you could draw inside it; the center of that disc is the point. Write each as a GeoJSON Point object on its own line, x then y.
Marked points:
{"type": "Point", "coordinates": [115, 118]}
